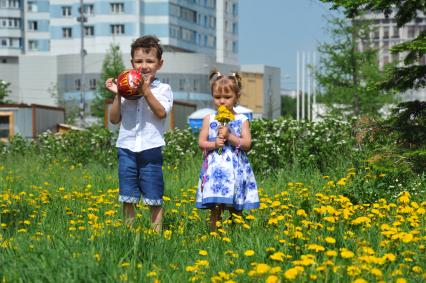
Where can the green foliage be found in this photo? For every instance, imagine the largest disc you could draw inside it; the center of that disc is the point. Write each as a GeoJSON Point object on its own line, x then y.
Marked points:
{"type": "Point", "coordinates": [278, 143]}
{"type": "Point", "coordinates": [4, 90]}
{"type": "Point", "coordinates": [399, 78]}
{"type": "Point", "coordinates": [112, 66]}
{"type": "Point", "coordinates": [348, 76]}
{"type": "Point", "coordinates": [288, 107]}
{"type": "Point", "coordinates": [181, 146]}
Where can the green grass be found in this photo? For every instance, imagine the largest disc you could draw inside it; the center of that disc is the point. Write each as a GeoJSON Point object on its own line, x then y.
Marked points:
{"type": "Point", "coordinates": [57, 228]}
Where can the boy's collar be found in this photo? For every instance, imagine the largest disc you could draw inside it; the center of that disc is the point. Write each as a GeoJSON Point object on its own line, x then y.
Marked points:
{"type": "Point", "coordinates": [155, 83]}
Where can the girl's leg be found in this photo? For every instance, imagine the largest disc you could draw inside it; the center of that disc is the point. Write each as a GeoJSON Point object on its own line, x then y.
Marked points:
{"type": "Point", "coordinates": [156, 217]}
{"type": "Point", "coordinates": [128, 212]}
{"type": "Point", "coordinates": [215, 216]}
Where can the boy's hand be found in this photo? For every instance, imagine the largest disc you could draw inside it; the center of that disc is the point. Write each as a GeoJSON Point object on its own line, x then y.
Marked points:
{"type": "Point", "coordinates": [146, 81]}
{"type": "Point", "coordinates": [111, 85]}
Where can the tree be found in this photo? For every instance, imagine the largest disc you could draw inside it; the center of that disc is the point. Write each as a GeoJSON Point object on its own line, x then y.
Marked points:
{"type": "Point", "coordinates": [4, 90]}
{"type": "Point", "coordinates": [410, 75]}
{"type": "Point", "coordinates": [112, 66]}
{"type": "Point", "coordinates": [347, 75]}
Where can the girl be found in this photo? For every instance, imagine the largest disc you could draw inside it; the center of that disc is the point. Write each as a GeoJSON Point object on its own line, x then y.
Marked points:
{"type": "Point", "coordinates": [226, 179]}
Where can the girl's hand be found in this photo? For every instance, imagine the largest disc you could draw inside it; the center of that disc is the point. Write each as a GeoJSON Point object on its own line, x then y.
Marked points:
{"type": "Point", "coordinates": [219, 142]}
{"type": "Point", "coordinates": [111, 85]}
{"type": "Point", "coordinates": [224, 132]}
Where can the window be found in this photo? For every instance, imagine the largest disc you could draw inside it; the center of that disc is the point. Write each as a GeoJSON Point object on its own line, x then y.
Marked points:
{"type": "Point", "coordinates": [235, 47]}
{"type": "Point", "coordinates": [235, 28]}
{"type": "Point", "coordinates": [235, 9]}
{"type": "Point", "coordinates": [32, 6]}
{"type": "Point", "coordinates": [117, 8]}
{"type": "Point", "coordinates": [32, 25]}
{"type": "Point", "coordinates": [411, 32]}
{"type": "Point", "coordinates": [395, 33]}
{"type": "Point", "coordinates": [181, 84]}
{"type": "Point", "coordinates": [66, 32]}
{"type": "Point", "coordinates": [32, 44]}
{"type": "Point", "coordinates": [6, 125]}
{"type": "Point", "coordinates": [12, 23]}
{"type": "Point", "coordinates": [88, 9]}
{"type": "Point", "coordinates": [89, 31]}
{"type": "Point", "coordinates": [385, 32]}
{"type": "Point", "coordinates": [77, 84]}
{"type": "Point", "coordinates": [117, 29]}
{"type": "Point", "coordinates": [14, 4]}
{"type": "Point", "coordinates": [92, 84]}
{"type": "Point", "coordinates": [66, 11]}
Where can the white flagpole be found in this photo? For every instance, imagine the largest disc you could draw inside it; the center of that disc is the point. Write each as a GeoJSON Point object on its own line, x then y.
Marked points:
{"type": "Point", "coordinates": [297, 88]}
{"type": "Point", "coordinates": [303, 85]}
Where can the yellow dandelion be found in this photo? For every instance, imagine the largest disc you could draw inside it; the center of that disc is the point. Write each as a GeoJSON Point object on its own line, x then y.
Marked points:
{"type": "Point", "coordinates": [249, 253]}
{"type": "Point", "coordinates": [330, 240]}
{"type": "Point", "coordinates": [278, 256]}
{"type": "Point", "coordinates": [203, 252]}
{"type": "Point", "coordinates": [272, 279]}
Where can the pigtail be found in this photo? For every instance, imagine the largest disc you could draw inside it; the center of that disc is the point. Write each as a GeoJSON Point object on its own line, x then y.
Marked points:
{"type": "Point", "coordinates": [214, 74]}
{"type": "Point", "coordinates": [238, 80]}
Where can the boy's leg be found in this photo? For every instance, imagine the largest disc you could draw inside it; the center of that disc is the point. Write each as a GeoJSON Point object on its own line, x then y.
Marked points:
{"type": "Point", "coordinates": [128, 212]}
{"type": "Point", "coordinates": [128, 176]}
{"type": "Point", "coordinates": [156, 217]}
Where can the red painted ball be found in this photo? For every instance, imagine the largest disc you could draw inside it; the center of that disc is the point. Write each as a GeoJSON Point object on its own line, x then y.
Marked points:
{"type": "Point", "coordinates": [128, 84]}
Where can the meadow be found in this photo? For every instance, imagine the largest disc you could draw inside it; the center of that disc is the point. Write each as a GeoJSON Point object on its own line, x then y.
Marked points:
{"type": "Point", "coordinates": [61, 221]}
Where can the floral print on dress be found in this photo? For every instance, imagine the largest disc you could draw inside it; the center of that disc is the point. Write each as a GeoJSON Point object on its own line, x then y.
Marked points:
{"type": "Point", "coordinates": [228, 178]}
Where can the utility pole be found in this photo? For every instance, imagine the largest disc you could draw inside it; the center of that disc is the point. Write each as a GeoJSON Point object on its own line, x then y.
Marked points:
{"type": "Point", "coordinates": [82, 19]}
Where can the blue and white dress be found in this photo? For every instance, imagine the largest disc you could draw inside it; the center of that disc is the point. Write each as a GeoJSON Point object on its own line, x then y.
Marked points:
{"type": "Point", "coordinates": [227, 178]}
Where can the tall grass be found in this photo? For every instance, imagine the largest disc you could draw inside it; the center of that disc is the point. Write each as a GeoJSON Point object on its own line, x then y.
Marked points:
{"type": "Point", "coordinates": [63, 223]}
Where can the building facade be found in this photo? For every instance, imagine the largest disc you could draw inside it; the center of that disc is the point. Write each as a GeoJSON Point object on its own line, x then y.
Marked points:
{"type": "Point", "coordinates": [53, 26]}
{"type": "Point", "coordinates": [386, 34]}
{"type": "Point", "coordinates": [41, 46]}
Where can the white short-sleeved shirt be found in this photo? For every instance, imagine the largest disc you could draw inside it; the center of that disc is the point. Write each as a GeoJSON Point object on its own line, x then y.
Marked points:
{"type": "Point", "coordinates": [140, 129]}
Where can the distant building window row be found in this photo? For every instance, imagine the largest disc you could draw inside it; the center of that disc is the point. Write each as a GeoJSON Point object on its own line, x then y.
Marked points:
{"type": "Point", "coordinates": [231, 8]}
{"type": "Point", "coordinates": [117, 8]}
{"type": "Point", "coordinates": [92, 84]}
{"type": "Point", "coordinates": [12, 23]}
{"type": "Point", "coordinates": [191, 16]}
{"type": "Point", "coordinates": [10, 42]}
{"type": "Point", "coordinates": [9, 4]}
{"type": "Point", "coordinates": [192, 36]}
{"type": "Point", "coordinates": [89, 31]}
{"type": "Point", "coordinates": [89, 10]}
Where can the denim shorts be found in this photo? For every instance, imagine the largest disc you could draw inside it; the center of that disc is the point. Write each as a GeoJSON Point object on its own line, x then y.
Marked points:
{"type": "Point", "coordinates": [140, 174]}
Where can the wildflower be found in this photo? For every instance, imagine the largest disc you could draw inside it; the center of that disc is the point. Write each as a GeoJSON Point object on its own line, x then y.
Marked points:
{"type": "Point", "coordinates": [330, 253]}
{"type": "Point", "coordinates": [353, 270]}
{"type": "Point", "coordinates": [278, 256]}
{"type": "Point", "coordinates": [203, 252]}
{"type": "Point", "coordinates": [272, 279]}
{"type": "Point", "coordinates": [293, 272]}
{"type": "Point", "coordinates": [262, 268]}
{"type": "Point", "coordinates": [360, 280]}
{"type": "Point", "coordinates": [330, 240]}
{"type": "Point", "coordinates": [345, 253]}
{"type": "Point", "coordinates": [167, 234]}
{"type": "Point", "coordinates": [315, 247]}
{"type": "Point", "coordinates": [125, 264]}
{"type": "Point", "coordinates": [249, 253]}
{"type": "Point", "coordinates": [401, 280]}
{"type": "Point", "coordinates": [226, 239]}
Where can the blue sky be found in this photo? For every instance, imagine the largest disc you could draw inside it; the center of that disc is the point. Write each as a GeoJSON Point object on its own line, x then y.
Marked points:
{"type": "Point", "coordinates": [272, 31]}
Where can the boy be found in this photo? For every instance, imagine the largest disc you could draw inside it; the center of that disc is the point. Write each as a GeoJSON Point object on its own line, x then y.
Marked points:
{"type": "Point", "coordinates": [141, 138]}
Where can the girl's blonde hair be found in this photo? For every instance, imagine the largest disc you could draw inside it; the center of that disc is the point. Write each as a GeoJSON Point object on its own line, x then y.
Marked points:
{"type": "Point", "coordinates": [225, 83]}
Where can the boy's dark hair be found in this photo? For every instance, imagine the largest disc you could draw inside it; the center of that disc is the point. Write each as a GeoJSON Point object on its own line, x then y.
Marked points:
{"type": "Point", "coordinates": [147, 42]}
